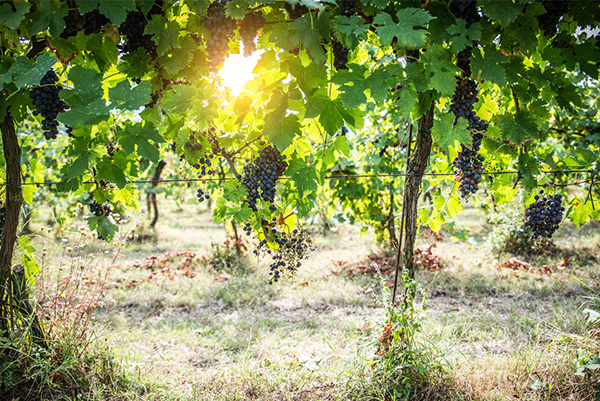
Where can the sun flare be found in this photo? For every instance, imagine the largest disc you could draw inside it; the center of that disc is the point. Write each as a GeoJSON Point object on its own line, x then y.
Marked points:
{"type": "Point", "coordinates": [237, 70]}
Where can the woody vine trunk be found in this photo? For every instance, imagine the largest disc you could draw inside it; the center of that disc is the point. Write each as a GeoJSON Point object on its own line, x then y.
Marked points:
{"type": "Point", "coordinates": [14, 295]}
{"type": "Point", "coordinates": [412, 189]}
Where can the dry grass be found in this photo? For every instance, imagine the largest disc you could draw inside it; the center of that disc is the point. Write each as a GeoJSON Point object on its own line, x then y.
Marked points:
{"type": "Point", "coordinates": [233, 337]}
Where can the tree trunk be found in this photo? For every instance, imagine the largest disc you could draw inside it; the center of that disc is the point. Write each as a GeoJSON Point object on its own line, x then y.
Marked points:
{"type": "Point", "coordinates": [412, 189]}
{"type": "Point", "coordinates": [13, 291]}
{"type": "Point", "coordinates": [151, 196]}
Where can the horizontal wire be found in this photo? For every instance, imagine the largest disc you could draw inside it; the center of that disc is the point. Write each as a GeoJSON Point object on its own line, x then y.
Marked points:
{"type": "Point", "coordinates": [327, 178]}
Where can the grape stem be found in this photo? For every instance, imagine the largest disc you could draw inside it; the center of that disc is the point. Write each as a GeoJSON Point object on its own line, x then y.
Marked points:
{"type": "Point", "coordinates": [246, 145]}
{"type": "Point", "coordinates": [229, 161]}
{"type": "Point", "coordinates": [590, 195]}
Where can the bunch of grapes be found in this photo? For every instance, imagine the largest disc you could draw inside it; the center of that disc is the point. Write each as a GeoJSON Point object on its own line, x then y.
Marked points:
{"type": "Point", "coordinates": [201, 195]}
{"type": "Point", "coordinates": [292, 248]}
{"type": "Point", "coordinates": [468, 167]}
{"type": "Point", "coordinates": [348, 8]}
{"type": "Point", "coordinates": [133, 28]}
{"type": "Point", "coordinates": [465, 9]}
{"type": "Point", "coordinates": [2, 220]}
{"type": "Point", "coordinates": [249, 27]}
{"type": "Point", "coordinates": [99, 209]}
{"type": "Point", "coordinates": [463, 60]}
{"type": "Point", "coordinates": [465, 96]}
{"type": "Point", "coordinates": [555, 9]}
{"type": "Point", "coordinates": [340, 56]}
{"type": "Point", "coordinates": [544, 215]}
{"type": "Point", "coordinates": [47, 101]}
{"type": "Point", "coordinates": [221, 31]}
{"type": "Point", "coordinates": [296, 11]}
{"type": "Point", "coordinates": [90, 22]}
{"type": "Point", "coordinates": [261, 175]}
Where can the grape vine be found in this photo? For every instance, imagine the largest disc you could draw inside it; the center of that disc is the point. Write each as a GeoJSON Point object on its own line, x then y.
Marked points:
{"type": "Point", "coordinates": [2, 220]}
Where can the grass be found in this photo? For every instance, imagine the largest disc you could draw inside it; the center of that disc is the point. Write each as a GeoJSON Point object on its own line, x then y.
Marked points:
{"type": "Point", "coordinates": [503, 334]}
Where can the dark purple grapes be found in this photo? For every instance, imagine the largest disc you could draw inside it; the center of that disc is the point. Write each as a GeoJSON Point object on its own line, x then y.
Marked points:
{"type": "Point", "coordinates": [468, 167]}
{"type": "Point", "coordinates": [99, 209]}
{"type": "Point", "coordinates": [544, 215]}
{"type": "Point", "coordinates": [347, 8]}
{"type": "Point", "coordinates": [465, 9]}
{"type": "Point", "coordinates": [261, 175]}
{"type": "Point", "coordinates": [296, 11]}
{"type": "Point", "coordinates": [221, 30]}
{"type": "Point", "coordinates": [90, 22]}
{"type": "Point", "coordinates": [292, 247]}
{"type": "Point", "coordinates": [555, 9]}
{"type": "Point", "coordinates": [340, 56]}
{"type": "Point", "coordinates": [463, 61]}
{"type": "Point", "coordinates": [47, 101]}
{"type": "Point", "coordinates": [133, 28]}
{"type": "Point", "coordinates": [249, 27]}
{"type": "Point", "coordinates": [465, 96]}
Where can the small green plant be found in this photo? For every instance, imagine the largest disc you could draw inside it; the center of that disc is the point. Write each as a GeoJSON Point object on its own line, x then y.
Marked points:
{"type": "Point", "coordinates": [404, 361]}
{"type": "Point", "coordinates": [230, 256]}
{"type": "Point", "coordinates": [509, 233]}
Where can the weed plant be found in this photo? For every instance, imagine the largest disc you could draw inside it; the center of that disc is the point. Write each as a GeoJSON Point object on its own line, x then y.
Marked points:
{"type": "Point", "coordinates": [70, 364]}
{"type": "Point", "coordinates": [404, 363]}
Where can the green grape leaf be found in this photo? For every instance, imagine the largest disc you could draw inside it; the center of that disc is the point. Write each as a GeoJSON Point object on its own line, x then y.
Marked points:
{"type": "Point", "coordinates": [104, 226]}
{"type": "Point", "coordinates": [502, 11]}
{"type": "Point", "coordinates": [30, 72]}
{"type": "Point", "coordinates": [489, 66]}
{"type": "Point", "coordinates": [139, 135]}
{"type": "Point", "coordinates": [177, 100]}
{"type": "Point", "coordinates": [112, 169]}
{"type": "Point", "coordinates": [103, 50]}
{"type": "Point", "coordinates": [85, 6]}
{"type": "Point", "coordinates": [464, 37]}
{"type": "Point", "coordinates": [135, 64]}
{"type": "Point", "coordinates": [503, 190]}
{"type": "Point", "coordinates": [116, 10]}
{"type": "Point", "coordinates": [354, 95]}
{"type": "Point", "coordinates": [181, 56]}
{"type": "Point", "coordinates": [579, 213]}
{"type": "Point", "coordinates": [404, 31]}
{"type": "Point", "coordinates": [308, 31]}
{"type": "Point", "coordinates": [330, 112]}
{"type": "Point", "coordinates": [406, 100]}
{"type": "Point", "coordinates": [446, 134]}
{"type": "Point", "coordinates": [441, 69]}
{"type": "Point", "coordinates": [11, 19]}
{"type": "Point", "coordinates": [126, 97]}
{"type": "Point", "coordinates": [281, 133]}
{"type": "Point", "coordinates": [518, 127]}
{"type": "Point", "coordinates": [166, 34]}
{"type": "Point", "coordinates": [349, 30]}
{"type": "Point", "coordinates": [303, 175]}
{"type": "Point", "coordinates": [236, 9]}
{"type": "Point", "coordinates": [45, 17]}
